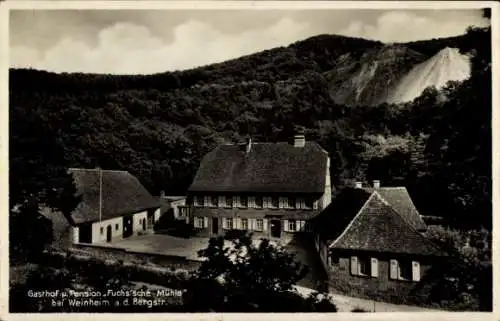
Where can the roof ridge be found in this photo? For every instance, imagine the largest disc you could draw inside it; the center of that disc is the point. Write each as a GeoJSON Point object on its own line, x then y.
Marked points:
{"type": "Point", "coordinates": [399, 214]}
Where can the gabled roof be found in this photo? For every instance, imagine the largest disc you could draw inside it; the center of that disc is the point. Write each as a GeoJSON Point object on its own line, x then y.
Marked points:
{"type": "Point", "coordinates": [289, 214]}
{"type": "Point", "coordinates": [266, 168]}
{"type": "Point", "coordinates": [362, 219]}
{"type": "Point", "coordinates": [400, 201]}
{"type": "Point", "coordinates": [122, 193]}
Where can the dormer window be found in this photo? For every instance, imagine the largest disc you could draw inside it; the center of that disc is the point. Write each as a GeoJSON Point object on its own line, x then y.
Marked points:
{"type": "Point", "coordinates": [258, 201]}
{"type": "Point", "coordinates": [308, 202]}
{"type": "Point", "coordinates": [290, 202]}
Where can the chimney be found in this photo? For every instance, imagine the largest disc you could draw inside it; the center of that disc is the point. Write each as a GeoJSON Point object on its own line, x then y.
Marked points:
{"type": "Point", "coordinates": [249, 145]}
{"type": "Point", "coordinates": [299, 141]}
{"type": "Point", "coordinates": [358, 185]}
{"type": "Point", "coordinates": [376, 184]}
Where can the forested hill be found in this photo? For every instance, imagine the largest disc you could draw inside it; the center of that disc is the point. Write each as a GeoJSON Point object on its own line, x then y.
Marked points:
{"type": "Point", "coordinates": [159, 126]}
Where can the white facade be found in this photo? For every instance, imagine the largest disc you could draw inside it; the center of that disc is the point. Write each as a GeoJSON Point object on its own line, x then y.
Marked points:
{"type": "Point", "coordinates": [138, 220]}
{"type": "Point", "coordinates": [157, 214]}
{"type": "Point", "coordinates": [100, 229]}
{"type": "Point", "coordinates": [97, 236]}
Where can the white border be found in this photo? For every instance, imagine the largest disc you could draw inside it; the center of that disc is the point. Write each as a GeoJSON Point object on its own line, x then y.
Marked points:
{"type": "Point", "coordinates": [238, 5]}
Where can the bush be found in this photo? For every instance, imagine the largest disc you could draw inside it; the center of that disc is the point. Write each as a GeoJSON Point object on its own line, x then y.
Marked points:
{"type": "Point", "coordinates": [465, 280]}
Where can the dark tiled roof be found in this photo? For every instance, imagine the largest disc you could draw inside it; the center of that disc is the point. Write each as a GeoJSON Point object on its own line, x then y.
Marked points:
{"type": "Point", "coordinates": [268, 167]}
{"type": "Point", "coordinates": [253, 213]}
{"type": "Point", "coordinates": [400, 201]}
{"type": "Point", "coordinates": [378, 227]}
{"type": "Point", "coordinates": [336, 216]}
{"type": "Point", "coordinates": [122, 193]}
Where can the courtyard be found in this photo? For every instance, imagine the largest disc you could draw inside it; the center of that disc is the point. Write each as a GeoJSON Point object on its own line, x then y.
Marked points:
{"type": "Point", "coordinates": [188, 248]}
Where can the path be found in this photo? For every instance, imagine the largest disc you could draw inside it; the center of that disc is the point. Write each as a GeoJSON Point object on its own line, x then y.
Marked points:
{"type": "Point", "coordinates": [347, 303]}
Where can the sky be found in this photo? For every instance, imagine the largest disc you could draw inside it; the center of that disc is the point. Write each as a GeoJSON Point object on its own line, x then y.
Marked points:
{"type": "Point", "coordinates": [151, 41]}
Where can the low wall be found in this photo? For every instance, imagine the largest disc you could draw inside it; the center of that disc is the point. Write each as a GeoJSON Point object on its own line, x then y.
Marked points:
{"type": "Point", "coordinates": [113, 253]}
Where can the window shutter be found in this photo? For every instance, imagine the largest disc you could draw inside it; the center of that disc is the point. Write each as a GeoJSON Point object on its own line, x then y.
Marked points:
{"type": "Point", "coordinates": [222, 201]}
{"type": "Point", "coordinates": [264, 224]}
{"type": "Point", "coordinates": [354, 265]}
{"type": "Point", "coordinates": [251, 224]}
{"type": "Point", "coordinates": [236, 201]}
{"type": "Point", "coordinates": [415, 271]}
{"type": "Point", "coordinates": [224, 222]}
{"type": "Point", "coordinates": [393, 273]}
{"type": "Point", "coordinates": [265, 202]}
{"type": "Point", "coordinates": [285, 227]}
{"type": "Point", "coordinates": [205, 222]}
{"type": "Point", "coordinates": [205, 201]}
{"type": "Point", "coordinates": [374, 267]}
{"type": "Point", "coordinates": [251, 201]}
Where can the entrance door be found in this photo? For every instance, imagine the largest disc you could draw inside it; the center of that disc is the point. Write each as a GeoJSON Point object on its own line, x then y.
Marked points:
{"type": "Point", "coordinates": [215, 225]}
{"type": "Point", "coordinates": [275, 228]}
{"type": "Point", "coordinates": [108, 233]}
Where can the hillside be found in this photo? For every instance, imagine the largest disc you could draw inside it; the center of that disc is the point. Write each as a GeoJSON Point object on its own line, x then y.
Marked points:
{"type": "Point", "coordinates": [159, 126]}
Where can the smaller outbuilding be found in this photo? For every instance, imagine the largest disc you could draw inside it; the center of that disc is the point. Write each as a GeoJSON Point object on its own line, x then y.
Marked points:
{"type": "Point", "coordinates": [113, 205]}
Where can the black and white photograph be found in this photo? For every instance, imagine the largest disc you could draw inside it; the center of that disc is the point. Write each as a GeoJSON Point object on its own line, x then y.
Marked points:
{"type": "Point", "coordinates": [249, 158]}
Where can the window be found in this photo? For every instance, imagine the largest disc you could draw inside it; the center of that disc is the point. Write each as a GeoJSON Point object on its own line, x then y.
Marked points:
{"type": "Point", "coordinates": [334, 259]}
{"type": "Point", "coordinates": [292, 225]}
{"type": "Point", "coordinates": [116, 227]}
{"type": "Point", "coordinates": [260, 224]}
{"type": "Point", "coordinates": [258, 201]}
{"type": "Point", "coordinates": [229, 201]}
{"type": "Point", "coordinates": [199, 222]}
{"type": "Point", "coordinates": [214, 201]}
{"type": "Point", "coordinates": [229, 223]}
{"type": "Point", "coordinates": [290, 202]}
{"type": "Point", "coordinates": [364, 266]}
{"type": "Point", "coordinates": [183, 211]}
{"type": "Point", "coordinates": [308, 202]}
{"type": "Point", "coordinates": [405, 270]}
{"type": "Point", "coordinates": [275, 202]}
{"type": "Point", "coordinates": [244, 201]}
{"type": "Point", "coordinates": [102, 230]}
{"type": "Point", "coordinates": [244, 223]}
{"type": "Point", "coordinates": [197, 200]}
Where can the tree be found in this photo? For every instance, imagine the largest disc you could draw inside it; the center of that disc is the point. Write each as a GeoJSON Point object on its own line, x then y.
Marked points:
{"type": "Point", "coordinates": [248, 275]}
